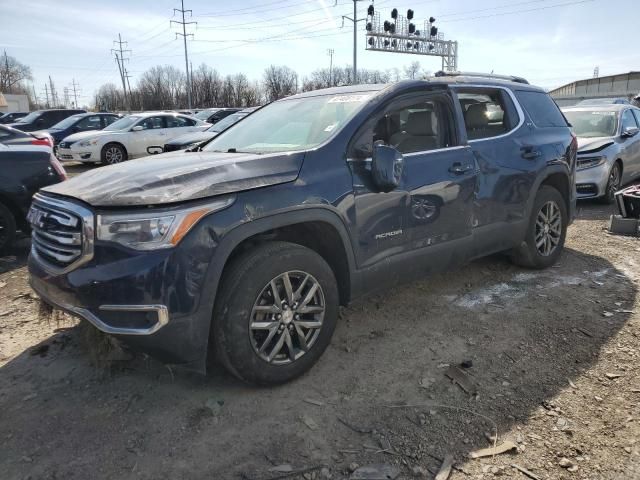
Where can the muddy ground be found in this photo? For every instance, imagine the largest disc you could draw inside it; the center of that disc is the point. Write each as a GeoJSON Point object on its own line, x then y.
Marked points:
{"type": "Point", "coordinates": [554, 361]}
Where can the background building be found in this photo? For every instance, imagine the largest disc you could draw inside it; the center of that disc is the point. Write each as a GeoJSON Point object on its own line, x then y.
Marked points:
{"type": "Point", "coordinates": [13, 103]}
{"type": "Point", "coordinates": [624, 85]}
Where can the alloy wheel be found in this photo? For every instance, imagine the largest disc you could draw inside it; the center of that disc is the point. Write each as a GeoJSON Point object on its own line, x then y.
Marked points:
{"type": "Point", "coordinates": [287, 317]}
{"type": "Point", "coordinates": [113, 155]}
{"type": "Point", "coordinates": [548, 228]}
{"type": "Point", "coordinates": [614, 181]}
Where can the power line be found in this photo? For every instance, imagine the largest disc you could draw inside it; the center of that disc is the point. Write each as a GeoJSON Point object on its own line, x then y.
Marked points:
{"type": "Point", "coordinates": [184, 36]}
{"type": "Point", "coordinates": [254, 10]}
{"type": "Point", "coordinates": [518, 11]}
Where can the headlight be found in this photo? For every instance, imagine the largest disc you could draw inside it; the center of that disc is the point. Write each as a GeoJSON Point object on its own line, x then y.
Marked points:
{"type": "Point", "coordinates": [87, 143]}
{"type": "Point", "coordinates": [590, 162]}
{"type": "Point", "coordinates": [147, 231]}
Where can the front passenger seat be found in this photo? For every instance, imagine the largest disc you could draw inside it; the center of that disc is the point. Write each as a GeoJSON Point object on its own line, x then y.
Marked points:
{"type": "Point", "coordinates": [418, 134]}
{"type": "Point", "coordinates": [476, 120]}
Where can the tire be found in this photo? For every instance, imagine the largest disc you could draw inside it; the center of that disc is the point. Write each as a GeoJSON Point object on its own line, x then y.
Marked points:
{"type": "Point", "coordinates": [113, 153]}
{"type": "Point", "coordinates": [7, 227]}
{"type": "Point", "coordinates": [613, 184]}
{"type": "Point", "coordinates": [548, 203]}
{"type": "Point", "coordinates": [247, 299]}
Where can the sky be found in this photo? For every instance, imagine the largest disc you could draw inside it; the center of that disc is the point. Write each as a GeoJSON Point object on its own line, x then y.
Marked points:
{"type": "Point", "coordinates": [549, 42]}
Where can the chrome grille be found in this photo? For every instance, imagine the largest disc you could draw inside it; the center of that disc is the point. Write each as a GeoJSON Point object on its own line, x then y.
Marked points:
{"type": "Point", "coordinates": [62, 233]}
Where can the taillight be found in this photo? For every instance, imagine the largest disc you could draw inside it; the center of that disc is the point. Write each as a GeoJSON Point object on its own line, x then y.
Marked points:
{"type": "Point", "coordinates": [42, 141]}
{"type": "Point", "coordinates": [57, 166]}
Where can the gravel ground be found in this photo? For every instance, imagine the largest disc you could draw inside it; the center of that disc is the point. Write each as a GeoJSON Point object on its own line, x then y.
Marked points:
{"type": "Point", "coordinates": [551, 363]}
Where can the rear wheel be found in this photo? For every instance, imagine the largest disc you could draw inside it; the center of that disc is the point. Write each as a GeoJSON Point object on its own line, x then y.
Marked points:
{"type": "Point", "coordinates": [7, 227]}
{"type": "Point", "coordinates": [546, 233]}
{"type": "Point", "coordinates": [276, 313]}
{"type": "Point", "coordinates": [613, 184]}
{"type": "Point", "coordinates": [113, 153]}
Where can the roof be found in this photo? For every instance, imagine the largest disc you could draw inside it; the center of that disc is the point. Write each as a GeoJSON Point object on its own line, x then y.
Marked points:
{"type": "Point", "coordinates": [475, 79]}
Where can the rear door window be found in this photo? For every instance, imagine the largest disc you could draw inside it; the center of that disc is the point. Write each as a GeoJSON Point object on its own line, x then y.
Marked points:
{"type": "Point", "coordinates": [177, 122]}
{"type": "Point", "coordinates": [487, 112]}
{"type": "Point", "coordinates": [542, 109]}
{"type": "Point", "coordinates": [151, 123]}
{"type": "Point", "coordinates": [90, 123]}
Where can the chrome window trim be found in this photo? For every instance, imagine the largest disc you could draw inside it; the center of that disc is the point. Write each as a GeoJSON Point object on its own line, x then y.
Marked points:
{"type": "Point", "coordinates": [412, 154]}
{"type": "Point", "coordinates": [87, 228]}
{"type": "Point", "coordinates": [519, 109]}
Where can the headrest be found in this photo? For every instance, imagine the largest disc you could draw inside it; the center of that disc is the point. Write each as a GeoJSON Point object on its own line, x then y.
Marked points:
{"type": "Point", "coordinates": [419, 124]}
{"type": "Point", "coordinates": [476, 116]}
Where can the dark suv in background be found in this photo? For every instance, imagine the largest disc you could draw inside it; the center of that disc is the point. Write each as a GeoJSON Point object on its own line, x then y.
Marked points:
{"type": "Point", "coordinates": [81, 122]}
{"type": "Point", "coordinates": [43, 119]}
{"type": "Point", "coordinates": [247, 247]}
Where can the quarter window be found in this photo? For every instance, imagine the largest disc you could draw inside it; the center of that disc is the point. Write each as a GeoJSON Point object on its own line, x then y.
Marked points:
{"type": "Point", "coordinates": [90, 123]}
{"type": "Point", "coordinates": [636, 112]}
{"type": "Point", "coordinates": [542, 109]}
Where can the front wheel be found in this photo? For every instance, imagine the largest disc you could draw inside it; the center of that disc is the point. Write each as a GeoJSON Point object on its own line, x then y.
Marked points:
{"type": "Point", "coordinates": [113, 153]}
{"type": "Point", "coordinates": [276, 313]}
{"type": "Point", "coordinates": [613, 184]}
{"type": "Point", "coordinates": [546, 233]}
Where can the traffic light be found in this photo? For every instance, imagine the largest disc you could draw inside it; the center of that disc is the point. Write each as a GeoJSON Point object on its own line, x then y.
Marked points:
{"type": "Point", "coordinates": [370, 10]}
{"type": "Point", "coordinates": [409, 14]}
{"type": "Point", "coordinates": [394, 13]}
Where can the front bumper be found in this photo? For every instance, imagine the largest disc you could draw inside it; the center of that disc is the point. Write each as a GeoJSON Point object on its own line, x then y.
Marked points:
{"type": "Point", "coordinates": [592, 182]}
{"type": "Point", "coordinates": [77, 155]}
{"type": "Point", "coordinates": [156, 302]}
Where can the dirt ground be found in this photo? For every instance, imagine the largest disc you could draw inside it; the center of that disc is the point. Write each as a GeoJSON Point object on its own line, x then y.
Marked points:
{"type": "Point", "coordinates": [553, 359]}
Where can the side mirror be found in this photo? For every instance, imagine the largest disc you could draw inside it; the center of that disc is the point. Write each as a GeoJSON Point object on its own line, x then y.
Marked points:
{"type": "Point", "coordinates": [137, 128]}
{"type": "Point", "coordinates": [630, 132]}
{"type": "Point", "coordinates": [386, 167]}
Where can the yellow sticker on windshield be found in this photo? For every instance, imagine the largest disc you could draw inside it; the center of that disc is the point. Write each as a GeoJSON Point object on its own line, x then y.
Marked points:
{"type": "Point", "coordinates": [349, 98]}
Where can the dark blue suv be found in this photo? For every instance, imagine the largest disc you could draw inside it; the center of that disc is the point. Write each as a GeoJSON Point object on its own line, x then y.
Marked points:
{"type": "Point", "coordinates": [246, 249]}
{"type": "Point", "coordinates": [82, 122]}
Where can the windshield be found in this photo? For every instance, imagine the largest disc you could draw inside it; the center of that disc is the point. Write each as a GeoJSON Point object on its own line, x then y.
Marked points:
{"type": "Point", "coordinates": [226, 122]}
{"type": "Point", "coordinates": [289, 125]}
{"type": "Point", "coordinates": [123, 123]}
{"type": "Point", "coordinates": [30, 118]}
{"type": "Point", "coordinates": [592, 123]}
{"type": "Point", "coordinates": [203, 115]}
{"type": "Point", "coordinates": [67, 122]}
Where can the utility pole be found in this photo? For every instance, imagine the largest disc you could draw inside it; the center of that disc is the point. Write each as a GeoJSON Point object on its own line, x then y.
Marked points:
{"type": "Point", "coordinates": [127, 77]}
{"type": "Point", "coordinates": [75, 92]}
{"type": "Point", "coordinates": [184, 35]}
{"type": "Point", "coordinates": [36, 101]}
{"type": "Point", "coordinates": [330, 52]}
{"type": "Point", "coordinates": [46, 92]}
{"type": "Point", "coordinates": [355, 37]}
{"type": "Point", "coordinates": [54, 96]}
{"type": "Point", "coordinates": [66, 97]}
{"type": "Point", "coordinates": [120, 60]}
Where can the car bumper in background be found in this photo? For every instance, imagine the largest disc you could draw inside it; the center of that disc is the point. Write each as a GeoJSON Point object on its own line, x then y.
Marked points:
{"type": "Point", "coordinates": [77, 155]}
{"type": "Point", "coordinates": [592, 182]}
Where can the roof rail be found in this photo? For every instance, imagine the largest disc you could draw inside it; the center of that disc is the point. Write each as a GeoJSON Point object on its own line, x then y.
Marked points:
{"type": "Point", "coordinates": [511, 78]}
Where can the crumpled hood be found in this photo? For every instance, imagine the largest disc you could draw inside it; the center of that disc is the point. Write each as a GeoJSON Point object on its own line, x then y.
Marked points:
{"type": "Point", "coordinates": [179, 176]}
{"type": "Point", "coordinates": [190, 138]}
{"type": "Point", "coordinates": [593, 143]}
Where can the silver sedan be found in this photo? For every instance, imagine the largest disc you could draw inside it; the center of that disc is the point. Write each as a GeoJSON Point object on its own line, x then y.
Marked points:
{"type": "Point", "coordinates": [608, 148]}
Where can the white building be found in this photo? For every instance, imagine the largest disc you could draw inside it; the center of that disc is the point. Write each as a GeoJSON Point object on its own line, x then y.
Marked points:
{"type": "Point", "coordinates": [13, 103]}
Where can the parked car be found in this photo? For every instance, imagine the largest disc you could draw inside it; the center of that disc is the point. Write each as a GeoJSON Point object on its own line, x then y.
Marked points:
{"type": "Point", "coordinates": [602, 101]}
{"type": "Point", "coordinates": [82, 122]}
{"type": "Point", "coordinates": [193, 140]}
{"type": "Point", "coordinates": [608, 148]}
{"type": "Point", "coordinates": [43, 119]}
{"type": "Point", "coordinates": [127, 138]}
{"type": "Point", "coordinates": [313, 201]}
{"type": "Point", "coordinates": [24, 169]}
{"type": "Point", "coordinates": [13, 136]}
{"type": "Point", "coordinates": [12, 117]}
{"type": "Point", "coordinates": [213, 115]}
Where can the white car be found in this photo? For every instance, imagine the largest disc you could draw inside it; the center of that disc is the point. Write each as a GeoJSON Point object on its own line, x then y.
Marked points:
{"type": "Point", "coordinates": [127, 138]}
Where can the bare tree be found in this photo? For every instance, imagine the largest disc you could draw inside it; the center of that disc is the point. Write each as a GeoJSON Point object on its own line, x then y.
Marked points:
{"type": "Point", "coordinates": [13, 74]}
{"type": "Point", "coordinates": [279, 82]}
{"type": "Point", "coordinates": [412, 70]}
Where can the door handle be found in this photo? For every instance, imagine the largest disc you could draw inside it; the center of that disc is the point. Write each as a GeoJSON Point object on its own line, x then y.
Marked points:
{"type": "Point", "coordinates": [459, 169]}
{"type": "Point", "coordinates": [529, 153]}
